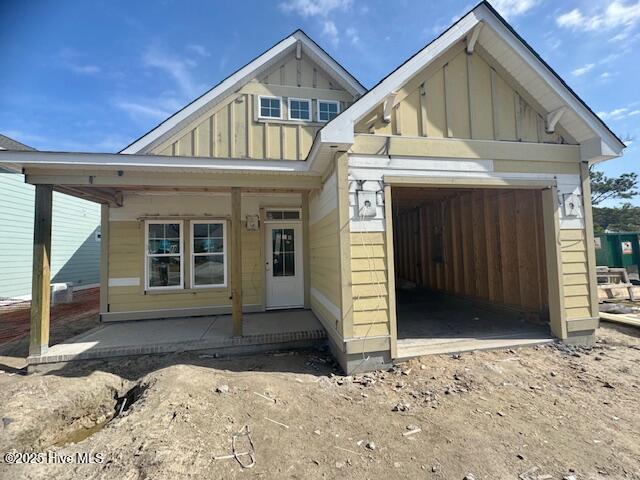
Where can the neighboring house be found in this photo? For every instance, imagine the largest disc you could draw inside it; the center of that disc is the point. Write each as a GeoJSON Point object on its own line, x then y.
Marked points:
{"type": "Point", "coordinates": [287, 185]}
{"type": "Point", "coordinates": [75, 238]}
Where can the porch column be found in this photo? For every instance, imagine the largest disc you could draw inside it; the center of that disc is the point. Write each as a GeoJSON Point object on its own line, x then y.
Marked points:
{"type": "Point", "coordinates": [236, 260]}
{"type": "Point", "coordinates": [41, 280]}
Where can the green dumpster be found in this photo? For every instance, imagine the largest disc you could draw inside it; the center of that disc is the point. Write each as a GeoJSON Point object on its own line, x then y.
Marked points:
{"type": "Point", "coordinates": [618, 250]}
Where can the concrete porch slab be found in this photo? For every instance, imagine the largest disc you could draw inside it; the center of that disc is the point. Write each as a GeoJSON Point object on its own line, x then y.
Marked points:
{"type": "Point", "coordinates": [271, 329]}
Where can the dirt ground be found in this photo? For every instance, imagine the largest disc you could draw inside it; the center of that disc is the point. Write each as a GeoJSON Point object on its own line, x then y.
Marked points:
{"type": "Point", "coordinates": [67, 320]}
{"type": "Point", "coordinates": [533, 413]}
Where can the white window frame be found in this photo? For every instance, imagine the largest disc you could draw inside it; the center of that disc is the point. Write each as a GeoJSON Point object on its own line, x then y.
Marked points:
{"type": "Point", "coordinates": [260, 97]}
{"type": "Point", "coordinates": [307, 101]}
{"type": "Point", "coordinates": [193, 254]}
{"type": "Point", "coordinates": [147, 255]}
{"type": "Point", "coordinates": [283, 209]}
{"type": "Point", "coordinates": [319, 101]}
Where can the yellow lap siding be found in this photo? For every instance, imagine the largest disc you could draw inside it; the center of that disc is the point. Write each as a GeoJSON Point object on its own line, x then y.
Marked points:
{"type": "Point", "coordinates": [370, 288]}
{"type": "Point", "coordinates": [126, 260]}
{"type": "Point", "coordinates": [575, 279]}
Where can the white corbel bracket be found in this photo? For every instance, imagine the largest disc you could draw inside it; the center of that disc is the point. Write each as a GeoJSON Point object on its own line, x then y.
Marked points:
{"type": "Point", "coordinates": [298, 50]}
{"type": "Point", "coordinates": [553, 118]}
{"type": "Point", "coordinates": [387, 105]}
{"type": "Point", "coordinates": [473, 38]}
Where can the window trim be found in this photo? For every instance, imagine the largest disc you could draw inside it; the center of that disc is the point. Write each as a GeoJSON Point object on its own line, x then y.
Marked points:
{"type": "Point", "coordinates": [260, 97]}
{"type": "Point", "coordinates": [147, 287]}
{"type": "Point", "coordinates": [319, 101]}
{"type": "Point", "coordinates": [283, 209]}
{"type": "Point", "coordinates": [193, 254]}
{"type": "Point", "coordinates": [307, 101]}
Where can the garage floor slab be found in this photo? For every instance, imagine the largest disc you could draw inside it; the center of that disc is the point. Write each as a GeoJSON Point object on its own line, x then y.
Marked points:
{"type": "Point", "coordinates": [432, 323]}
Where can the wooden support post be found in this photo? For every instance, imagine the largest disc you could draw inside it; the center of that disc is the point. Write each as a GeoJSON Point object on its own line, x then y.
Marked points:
{"type": "Point", "coordinates": [236, 260]}
{"type": "Point", "coordinates": [41, 281]}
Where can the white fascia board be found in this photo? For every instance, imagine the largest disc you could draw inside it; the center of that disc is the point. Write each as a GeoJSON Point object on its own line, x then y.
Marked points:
{"type": "Point", "coordinates": [340, 130]}
{"type": "Point", "coordinates": [65, 160]}
{"type": "Point", "coordinates": [484, 14]}
{"type": "Point", "coordinates": [225, 87]}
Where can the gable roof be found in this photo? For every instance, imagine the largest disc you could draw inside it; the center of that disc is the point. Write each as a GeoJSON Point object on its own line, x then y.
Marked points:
{"type": "Point", "coordinates": [499, 41]}
{"type": "Point", "coordinates": [241, 77]}
{"type": "Point", "coordinates": [7, 143]}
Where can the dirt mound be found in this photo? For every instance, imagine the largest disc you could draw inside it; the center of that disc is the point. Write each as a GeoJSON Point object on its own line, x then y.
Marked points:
{"type": "Point", "coordinates": [530, 412]}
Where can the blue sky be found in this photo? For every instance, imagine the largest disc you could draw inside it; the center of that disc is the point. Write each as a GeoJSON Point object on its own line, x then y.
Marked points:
{"type": "Point", "coordinates": [95, 75]}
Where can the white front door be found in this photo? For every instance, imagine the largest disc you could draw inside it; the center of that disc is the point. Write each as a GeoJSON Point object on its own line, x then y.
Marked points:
{"type": "Point", "coordinates": [285, 280]}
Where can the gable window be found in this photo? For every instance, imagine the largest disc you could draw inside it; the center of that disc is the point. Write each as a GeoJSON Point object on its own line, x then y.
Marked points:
{"type": "Point", "coordinates": [270, 107]}
{"type": "Point", "coordinates": [208, 254]}
{"type": "Point", "coordinates": [163, 262]}
{"type": "Point", "coordinates": [327, 110]}
{"type": "Point", "coordinates": [299, 109]}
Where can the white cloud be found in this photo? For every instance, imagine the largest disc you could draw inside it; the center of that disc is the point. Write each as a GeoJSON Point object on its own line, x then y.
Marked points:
{"type": "Point", "coordinates": [582, 70]}
{"type": "Point", "coordinates": [314, 8]}
{"type": "Point", "coordinates": [618, 114]}
{"type": "Point", "coordinates": [331, 31]}
{"type": "Point", "coordinates": [72, 60]}
{"type": "Point", "coordinates": [178, 68]}
{"type": "Point", "coordinates": [198, 49]}
{"type": "Point", "coordinates": [142, 110]}
{"type": "Point", "coordinates": [353, 36]}
{"type": "Point", "coordinates": [513, 8]}
{"type": "Point", "coordinates": [616, 15]}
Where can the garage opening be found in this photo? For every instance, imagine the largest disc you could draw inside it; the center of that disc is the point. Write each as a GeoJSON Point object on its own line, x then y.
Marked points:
{"type": "Point", "coordinates": [470, 269]}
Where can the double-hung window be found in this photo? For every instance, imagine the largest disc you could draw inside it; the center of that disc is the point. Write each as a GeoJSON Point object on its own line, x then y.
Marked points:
{"type": "Point", "coordinates": [163, 262]}
{"type": "Point", "coordinates": [270, 107]}
{"type": "Point", "coordinates": [327, 110]}
{"type": "Point", "coordinates": [208, 254]}
{"type": "Point", "coordinates": [299, 109]}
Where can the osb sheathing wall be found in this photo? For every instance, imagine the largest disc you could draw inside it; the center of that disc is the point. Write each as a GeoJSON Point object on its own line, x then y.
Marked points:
{"type": "Point", "coordinates": [466, 97]}
{"type": "Point", "coordinates": [487, 244]}
{"type": "Point", "coordinates": [233, 128]}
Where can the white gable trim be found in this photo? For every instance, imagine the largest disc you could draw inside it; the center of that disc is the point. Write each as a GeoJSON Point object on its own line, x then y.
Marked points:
{"type": "Point", "coordinates": [340, 131]}
{"type": "Point", "coordinates": [242, 76]}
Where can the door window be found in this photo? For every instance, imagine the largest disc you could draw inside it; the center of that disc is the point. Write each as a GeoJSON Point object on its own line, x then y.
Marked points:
{"type": "Point", "coordinates": [284, 255]}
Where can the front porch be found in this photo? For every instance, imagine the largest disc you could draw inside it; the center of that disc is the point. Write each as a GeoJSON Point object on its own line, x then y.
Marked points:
{"type": "Point", "coordinates": [261, 332]}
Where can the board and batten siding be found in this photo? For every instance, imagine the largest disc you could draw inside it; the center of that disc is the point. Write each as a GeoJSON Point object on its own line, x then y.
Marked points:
{"type": "Point", "coordinates": [463, 96]}
{"type": "Point", "coordinates": [75, 249]}
{"type": "Point", "coordinates": [232, 128]}
{"type": "Point", "coordinates": [324, 261]}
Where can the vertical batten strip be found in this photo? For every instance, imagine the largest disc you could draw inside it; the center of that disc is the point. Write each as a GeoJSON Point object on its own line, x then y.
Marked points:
{"type": "Point", "coordinates": [469, 95]}
{"type": "Point", "coordinates": [494, 106]}
{"type": "Point", "coordinates": [447, 102]}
